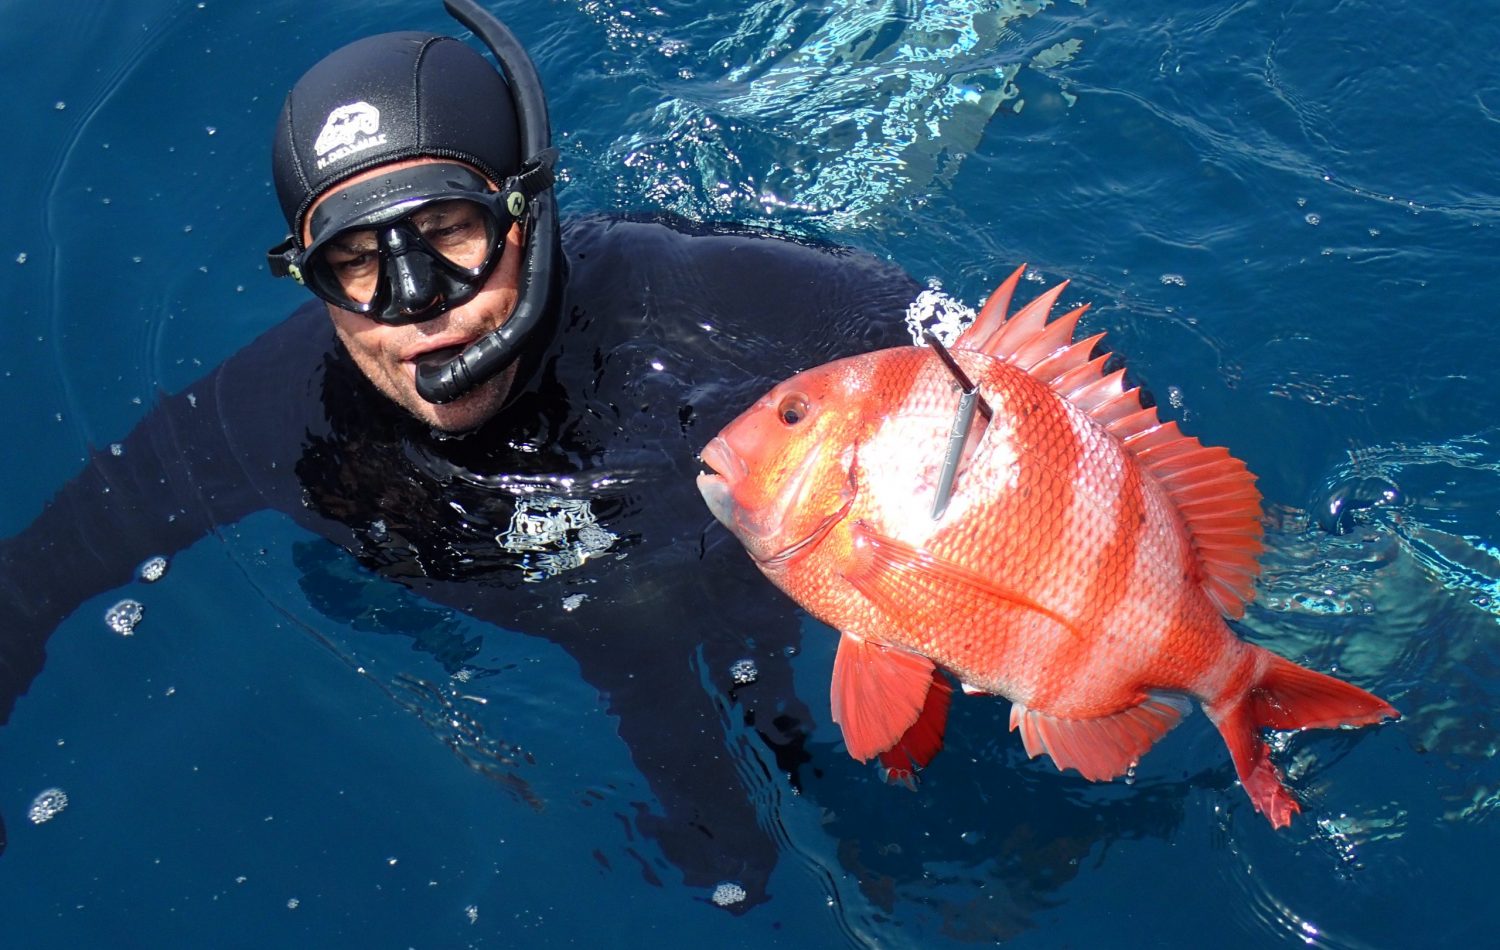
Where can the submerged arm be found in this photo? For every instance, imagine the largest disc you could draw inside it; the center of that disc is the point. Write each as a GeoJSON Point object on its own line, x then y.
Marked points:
{"type": "Point", "coordinates": [205, 457]}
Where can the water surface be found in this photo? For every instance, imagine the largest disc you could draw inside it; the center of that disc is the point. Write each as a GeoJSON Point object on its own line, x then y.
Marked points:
{"type": "Point", "coordinates": [1284, 216]}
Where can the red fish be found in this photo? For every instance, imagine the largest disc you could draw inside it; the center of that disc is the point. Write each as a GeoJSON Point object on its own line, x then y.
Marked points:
{"type": "Point", "coordinates": [1083, 567]}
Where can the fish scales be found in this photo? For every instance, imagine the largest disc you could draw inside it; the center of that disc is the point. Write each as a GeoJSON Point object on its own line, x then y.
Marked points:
{"type": "Point", "coordinates": [1049, 504]}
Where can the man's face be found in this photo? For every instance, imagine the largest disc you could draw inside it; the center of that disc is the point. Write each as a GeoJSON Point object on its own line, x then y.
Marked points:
{"type": "Point", "coordinates": [387, 354]}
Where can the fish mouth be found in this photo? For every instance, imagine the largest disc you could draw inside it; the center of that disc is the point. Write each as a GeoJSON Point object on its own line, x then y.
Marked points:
{"type": "Point", "coordinates": [723, 470]}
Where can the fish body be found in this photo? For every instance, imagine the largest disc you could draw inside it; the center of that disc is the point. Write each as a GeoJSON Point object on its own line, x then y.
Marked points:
{"type": "Point", "coordinates": [1083, 565]}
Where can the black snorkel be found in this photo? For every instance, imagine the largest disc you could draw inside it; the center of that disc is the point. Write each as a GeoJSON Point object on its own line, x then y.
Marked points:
{"type": "Point", "coordinates": [540, 277]}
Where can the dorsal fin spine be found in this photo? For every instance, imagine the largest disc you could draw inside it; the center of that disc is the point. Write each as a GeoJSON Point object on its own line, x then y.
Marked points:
{"type": "Point", "coordinates": [1025, 324]}
{"type": "Point", "coordinates": [1132, 424]}
{"type": "Point", "coordinates": [1065, 360]}
{"type": "Point", "coordinates": [1054, 336]}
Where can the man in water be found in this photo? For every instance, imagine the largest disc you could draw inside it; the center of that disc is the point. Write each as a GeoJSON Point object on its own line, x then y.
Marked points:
{"type": "Point", "coordinates": [495, 412]}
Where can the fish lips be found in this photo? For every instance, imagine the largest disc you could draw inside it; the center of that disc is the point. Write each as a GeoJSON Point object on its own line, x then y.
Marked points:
{"type": "Point", "coordinates": [725, 470]}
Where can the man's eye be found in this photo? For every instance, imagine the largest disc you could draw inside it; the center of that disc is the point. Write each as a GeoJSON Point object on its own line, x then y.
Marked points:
{"type": "Point", "coordinates": [450, 230]}
{"type": "Point", "coordinates": [355, 264]}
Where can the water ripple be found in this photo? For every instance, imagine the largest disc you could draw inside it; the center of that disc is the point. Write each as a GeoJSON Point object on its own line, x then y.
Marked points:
{"type": "Point", "coordinates": [866, 106]}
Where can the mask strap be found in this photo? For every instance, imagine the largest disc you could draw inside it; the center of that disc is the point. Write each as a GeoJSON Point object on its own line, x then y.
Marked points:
{"type": "Point", "coordinates": [282, 260]}
{"type": "Point", "coordinates": [535, 177]}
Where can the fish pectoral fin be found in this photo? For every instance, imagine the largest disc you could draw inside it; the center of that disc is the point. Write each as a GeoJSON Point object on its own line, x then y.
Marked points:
{"type": "Point", "coordinates": [879, 694]}
{"type": "Point", "coordinates": [1103, 747]}
{"type": "Point", "coordinates": [908, 582]}
{"type": "Point", "coordinates": [922, 741]}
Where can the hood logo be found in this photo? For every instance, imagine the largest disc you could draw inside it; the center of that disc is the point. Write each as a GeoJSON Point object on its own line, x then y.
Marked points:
{"type": "Point", "coordinates": [347, 130]}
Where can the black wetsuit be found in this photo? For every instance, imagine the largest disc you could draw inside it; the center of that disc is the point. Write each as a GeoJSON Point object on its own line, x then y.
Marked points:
{"type": "Point", "coordinates": [665, 333]}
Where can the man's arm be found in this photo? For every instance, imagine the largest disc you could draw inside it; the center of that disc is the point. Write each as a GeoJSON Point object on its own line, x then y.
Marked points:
{"type": "Point", "coordinates": [202, 458]}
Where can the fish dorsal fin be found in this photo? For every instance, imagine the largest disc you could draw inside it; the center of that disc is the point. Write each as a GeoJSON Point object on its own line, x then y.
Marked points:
{"type": "Point", "coordinates": [1213, 491]}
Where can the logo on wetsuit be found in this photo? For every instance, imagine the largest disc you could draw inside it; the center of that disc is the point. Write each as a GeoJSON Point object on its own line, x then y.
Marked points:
{"type": "Point", "coordinates": [347, 130]}
{"type": "Point", "coordinates": [553, 535]}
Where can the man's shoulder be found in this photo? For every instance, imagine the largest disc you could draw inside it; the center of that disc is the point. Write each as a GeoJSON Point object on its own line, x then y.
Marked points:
{"type": "Point", "coordinates": [299, 342]}
{"type": "Point", "coordinates": [666, 258]}
{"type": "Point", "coordinates": [777, 301]}
{"type": "Point", "coordinates": [664, 238]}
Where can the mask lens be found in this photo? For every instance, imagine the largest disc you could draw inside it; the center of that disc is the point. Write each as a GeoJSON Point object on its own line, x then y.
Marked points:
{"type": "Point", "coordinates": [460, 240]}
{"type": "Point", "coordinates": [461, 232]}
{"type": "Point", "coordinates": [348, 268]}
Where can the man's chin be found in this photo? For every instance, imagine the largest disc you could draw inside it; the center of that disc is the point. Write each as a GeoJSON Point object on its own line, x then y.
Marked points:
{"type": "Point", "coordinates": [459, 416]}
{"type": "Point", "coordinates": [467, 412]}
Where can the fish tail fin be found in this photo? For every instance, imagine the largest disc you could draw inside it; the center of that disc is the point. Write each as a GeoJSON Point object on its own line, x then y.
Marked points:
{"type": "Point", "coordinates": [923, 740]}
{"type": "Point", "coordinates": [1287, 696]}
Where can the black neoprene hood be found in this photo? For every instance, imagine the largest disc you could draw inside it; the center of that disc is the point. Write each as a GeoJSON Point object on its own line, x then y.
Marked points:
{"type": "Point", "coordinates": [385, 98]}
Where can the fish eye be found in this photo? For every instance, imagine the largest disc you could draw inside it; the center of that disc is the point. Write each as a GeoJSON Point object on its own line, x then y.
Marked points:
{"type": "Point", "coordinates": [792, 409]}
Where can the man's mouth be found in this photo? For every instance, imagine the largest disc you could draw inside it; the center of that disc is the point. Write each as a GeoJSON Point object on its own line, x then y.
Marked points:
{"type": "Point", "coordinates": [435, 358]}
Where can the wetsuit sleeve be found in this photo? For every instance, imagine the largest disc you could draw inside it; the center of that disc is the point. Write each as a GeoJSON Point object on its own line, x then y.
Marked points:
{"type": "Point", "coordinates": [204, 457]}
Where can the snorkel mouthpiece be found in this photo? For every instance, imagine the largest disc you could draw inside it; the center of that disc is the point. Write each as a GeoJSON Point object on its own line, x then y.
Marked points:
{"type": "Point", "coordinates": [487, 356]}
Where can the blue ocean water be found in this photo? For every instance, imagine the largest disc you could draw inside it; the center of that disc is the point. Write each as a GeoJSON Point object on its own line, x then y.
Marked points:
{"type": "Point", "coordinates": [1283, 213]}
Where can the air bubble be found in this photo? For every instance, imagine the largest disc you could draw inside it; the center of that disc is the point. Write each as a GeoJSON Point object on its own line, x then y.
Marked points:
{"type": "Point", "coordinates": [743, 672]}
{"type": "Point", "coordinates": [47, 806]}
{"type": "Point", "coordinates": [123, 617]}
{"type": "Point", "coordinates": [728, 894]}
{"type": "Point", "coordinates": [152, 569]}
{"type": "Point", "coordinates": [1174, 280]}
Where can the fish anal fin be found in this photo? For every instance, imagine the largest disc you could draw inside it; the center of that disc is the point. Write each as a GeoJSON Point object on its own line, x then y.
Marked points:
{"type": "Point", "coordinates": [1102, 747]}
{"type": "Point", "coordinates": [878, 694]}
{"type": "Point", "coordinates": [924, 739]}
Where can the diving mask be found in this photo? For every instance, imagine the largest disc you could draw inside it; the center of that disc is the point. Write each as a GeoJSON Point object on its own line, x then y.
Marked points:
{"type": "Point", "coordinates": [409, 244]}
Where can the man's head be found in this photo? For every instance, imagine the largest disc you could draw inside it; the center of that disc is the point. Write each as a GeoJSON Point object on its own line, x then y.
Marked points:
{"type": "Point", "coordinates": [386, 98]}
{"type": "Point", "coordinates": [431, 319]}
{"type": "Point", "coordinates": [400, 166]}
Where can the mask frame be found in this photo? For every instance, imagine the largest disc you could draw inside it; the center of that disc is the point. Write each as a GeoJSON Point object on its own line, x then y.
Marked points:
{"type": "Point", "coordinates": [416, 282]}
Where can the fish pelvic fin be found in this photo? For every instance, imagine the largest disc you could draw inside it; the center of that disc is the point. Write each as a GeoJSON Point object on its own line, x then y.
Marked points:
{"type": "Point", "coordinates": [1213, 492]}
{"type": "Point", "coordinates": [1102, 747]}
{"type": "Point", "coordinates": [1287, 696]}
{"type": "Point", "coordinates": [899, 764]}
{"type": "Point", "coordinates": [878, 696]}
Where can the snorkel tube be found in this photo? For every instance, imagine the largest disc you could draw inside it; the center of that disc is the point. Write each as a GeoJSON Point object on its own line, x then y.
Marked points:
{"type": "Point", "coordinates": [487, 356]}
